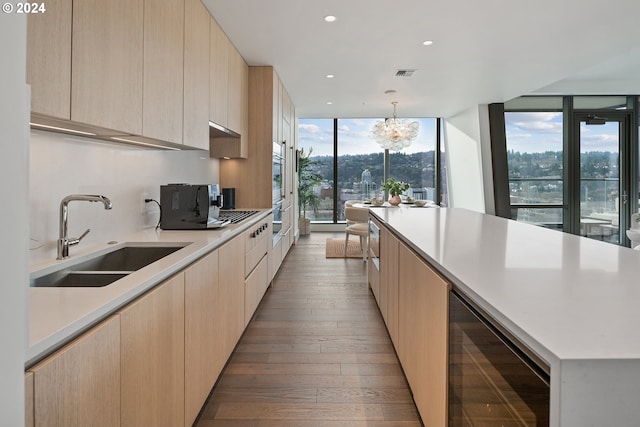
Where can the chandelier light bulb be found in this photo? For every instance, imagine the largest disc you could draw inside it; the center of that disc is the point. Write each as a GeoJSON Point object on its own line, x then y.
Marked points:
{"type": "Point", "coordinates": [395, 134]}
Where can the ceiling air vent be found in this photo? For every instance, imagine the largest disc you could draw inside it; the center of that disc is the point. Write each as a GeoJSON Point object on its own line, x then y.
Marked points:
{"type": "Point", "coordinates": [405, 73]}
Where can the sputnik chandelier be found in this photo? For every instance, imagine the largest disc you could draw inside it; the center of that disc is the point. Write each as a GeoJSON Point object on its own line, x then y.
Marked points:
{"type": "Point", "coordinates": [394, 134]}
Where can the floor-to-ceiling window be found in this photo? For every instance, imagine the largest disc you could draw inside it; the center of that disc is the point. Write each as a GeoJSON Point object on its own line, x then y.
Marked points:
{"type": "Point", "coordinates": [535, 166]}
{"type": "Point", "coordinates": [352, 163]}
{"type": "Point", "coordinates": [316, 138]}
{"type": "Point", "coordinates": [573, 164]}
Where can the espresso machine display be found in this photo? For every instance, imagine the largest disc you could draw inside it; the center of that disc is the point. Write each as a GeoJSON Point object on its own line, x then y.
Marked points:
{"type": "Point", "coordinates": [190, 207]}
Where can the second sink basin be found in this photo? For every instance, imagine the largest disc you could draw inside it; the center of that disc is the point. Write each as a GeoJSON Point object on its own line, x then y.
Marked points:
{"type": "Point", "coordinates": [105, 268]}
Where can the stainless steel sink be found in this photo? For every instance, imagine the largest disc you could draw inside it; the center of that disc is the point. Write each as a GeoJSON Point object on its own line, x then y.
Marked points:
{"type": "Point", "coordinates": [78, 279]}
{"type": "Point", "coordinates": [105, 268]}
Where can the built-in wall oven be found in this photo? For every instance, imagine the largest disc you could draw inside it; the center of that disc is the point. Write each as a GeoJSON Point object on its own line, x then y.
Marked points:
{"type": "Point", "coordinates": [492, 380]}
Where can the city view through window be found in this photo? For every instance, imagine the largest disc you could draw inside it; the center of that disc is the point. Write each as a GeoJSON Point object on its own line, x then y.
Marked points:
{"type": "Point", "coordinates": [535, 164]}
{"type": "Point", "coordinates": [360, 163]}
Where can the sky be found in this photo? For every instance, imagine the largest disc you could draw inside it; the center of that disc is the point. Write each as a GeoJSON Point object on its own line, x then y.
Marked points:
{"type": "Point", "coordinates": [539, 132]}
{"type": "Point", "coordinates": [354, 136]}
{"type": "Point", "coordinates": [526, 133]}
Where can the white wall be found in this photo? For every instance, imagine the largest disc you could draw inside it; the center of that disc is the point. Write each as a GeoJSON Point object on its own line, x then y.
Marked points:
{"type": "Point", "coordinates": [462, 138]}
{"type": "Point", "coordinates": [62, 164]}
{"type": "Point", "coordinates": [14, 108]}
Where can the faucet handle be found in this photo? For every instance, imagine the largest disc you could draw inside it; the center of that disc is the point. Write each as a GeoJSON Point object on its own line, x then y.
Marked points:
{"type": "Point", "coordinates": [84, 234]}
{"type": "Point", "coordinates": [76, 240]}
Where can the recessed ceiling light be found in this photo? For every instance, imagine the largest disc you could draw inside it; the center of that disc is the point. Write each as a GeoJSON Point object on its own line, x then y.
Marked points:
{"type": "Point", "coordinates": [330, 18]}
{"type": "Point", "coordinates": [330, 76]}
{"type": "Point", "coordinates": [427, 42]}
{"type": "Point", "coordinates": [329, 103]}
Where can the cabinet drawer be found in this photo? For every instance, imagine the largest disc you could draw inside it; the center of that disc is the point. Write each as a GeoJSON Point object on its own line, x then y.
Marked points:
{"type": "Point", "coordinates": [257, 241]}
{"type": "Point", "coordinates": [255, 287]}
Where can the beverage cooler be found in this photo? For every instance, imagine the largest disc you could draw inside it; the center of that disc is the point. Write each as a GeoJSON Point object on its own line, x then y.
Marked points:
{"type": "Point", "coordinates": [492, 381]}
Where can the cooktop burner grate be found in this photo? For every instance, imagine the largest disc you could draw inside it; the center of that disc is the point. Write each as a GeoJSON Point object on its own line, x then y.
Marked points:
{"type": "Point", "coordinates": [235, 216]}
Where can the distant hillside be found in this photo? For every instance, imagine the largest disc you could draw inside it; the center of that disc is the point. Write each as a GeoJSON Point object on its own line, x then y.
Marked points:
{"type": "Point", "coordinates": [417, 169]}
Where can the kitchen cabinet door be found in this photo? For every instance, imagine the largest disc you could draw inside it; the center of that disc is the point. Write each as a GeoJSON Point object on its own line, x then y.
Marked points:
{"type": "Point", "coordinates": [252, 178]}
{"type": "Point", "coordinates": [28, 400]}
{"type": "Point", "coordinates": [162, 108]}
{"type": "Point", "coordinates": [196, 75]}
{"type": "Point", "coordinates": [423, 335]}
{"type": "Point", "coordinates": [231, 318]}
{"type": "Point", "coordinates": [255, 287]}
{"type": "Point", "coordinates": [107, 61]}
{"type": "Point", "coordinates": [234, 114]}
{"type": "Point", "coordinates": [79, 385]}
{"type": "Point", "coordinates": [152, 352]}
{"type": "Point", "coordinates": [49, 59]}
{"type": "Point", "coordinates": [219, 69]}
{"type": "Point", "coordinates": [203, 361]}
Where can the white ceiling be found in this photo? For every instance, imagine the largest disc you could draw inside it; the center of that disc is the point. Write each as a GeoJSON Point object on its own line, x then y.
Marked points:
{"type": "Point", "coordinates": [484, 51]}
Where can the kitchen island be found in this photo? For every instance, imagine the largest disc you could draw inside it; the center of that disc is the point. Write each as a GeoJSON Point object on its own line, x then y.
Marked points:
{"type": "Point", "coordinates": [570, 301]}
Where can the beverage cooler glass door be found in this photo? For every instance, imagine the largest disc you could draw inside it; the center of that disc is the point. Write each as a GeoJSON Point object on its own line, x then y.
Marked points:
{"type": "Point", "coordinates": [491, 381]}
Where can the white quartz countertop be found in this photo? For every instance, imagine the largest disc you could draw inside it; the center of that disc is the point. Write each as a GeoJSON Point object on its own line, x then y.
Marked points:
{"type": "Point", "coordinates": [56, 315]}
{"type": "Point", "coordinates": [563, 296]}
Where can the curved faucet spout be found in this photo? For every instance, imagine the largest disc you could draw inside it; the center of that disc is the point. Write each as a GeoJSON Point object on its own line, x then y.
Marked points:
{"type": "Point", "coordinates": [64, 241]}
{"type": "Point", "coordinates": [88, 198]}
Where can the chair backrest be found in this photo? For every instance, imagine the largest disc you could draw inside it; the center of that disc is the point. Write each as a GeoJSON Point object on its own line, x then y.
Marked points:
{"type": "Point", "coordinates": [356, 214]}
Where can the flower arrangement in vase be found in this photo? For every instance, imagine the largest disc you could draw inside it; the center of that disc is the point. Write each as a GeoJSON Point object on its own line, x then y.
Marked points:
{"type": "Point", "coordinates": [394, 188]}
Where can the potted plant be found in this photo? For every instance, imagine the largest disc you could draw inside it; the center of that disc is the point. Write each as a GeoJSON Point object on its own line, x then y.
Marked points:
{"type": "Point", "coordinates": [308, 179]}
{"type": "Point", "coordinates": [394, 188]}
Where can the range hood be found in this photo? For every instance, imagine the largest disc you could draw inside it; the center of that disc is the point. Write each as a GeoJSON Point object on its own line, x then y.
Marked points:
{"type": "Point", "coordinates": [225, 143]}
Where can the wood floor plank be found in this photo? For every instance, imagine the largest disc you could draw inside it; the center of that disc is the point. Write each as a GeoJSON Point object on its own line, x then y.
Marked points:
{"type": "Point", "coordinates": [296, 411]}
{"type": "Point", "coordinates": [284, 368]}
{"type": "Point", "coordinates": [305, 381]}
{"type": "Point", "coordinates": [316, 353]}
{"type": "Point", "coordinates": [333, 358]}
{"type": "Point", "coordinates": [364, 395]}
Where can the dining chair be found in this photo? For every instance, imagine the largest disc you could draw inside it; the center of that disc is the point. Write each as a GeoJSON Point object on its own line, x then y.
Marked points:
{"type": "Point", "coordinates": [359, 226]}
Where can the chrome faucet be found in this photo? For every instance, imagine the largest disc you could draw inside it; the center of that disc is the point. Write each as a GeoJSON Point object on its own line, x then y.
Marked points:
{"type": "Point", "coordinates": [64, 241]}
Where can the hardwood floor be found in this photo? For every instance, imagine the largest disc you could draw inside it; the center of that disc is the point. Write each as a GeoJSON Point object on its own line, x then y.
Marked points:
{"type": "Point", "coordinates": [316, 353]}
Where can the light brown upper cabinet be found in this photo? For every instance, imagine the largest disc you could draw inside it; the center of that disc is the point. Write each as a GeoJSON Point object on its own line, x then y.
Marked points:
{"type": "Point", "coordinates": [219, 72]}
{"type": "Point", "coordinates": [137, 68]}
{"type": "Point", "coordinates": [107, 64]}
{"type": "Point", "coordinates": [196, 75]}
{"type": "Point", "coordinates": [49, 59]}
{"type": "Point", "coordinates": [252, 177]}
{"type": "Point", "coordinates": [228, 96]}
{"type": "Point", "coordinates": [162, 108]}
{"type": "Point", "coordinates": [234, 115]}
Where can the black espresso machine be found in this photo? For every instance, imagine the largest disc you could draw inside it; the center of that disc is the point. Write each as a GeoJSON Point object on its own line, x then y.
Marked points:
{"type": "Point", "coordinates": [190, 207]}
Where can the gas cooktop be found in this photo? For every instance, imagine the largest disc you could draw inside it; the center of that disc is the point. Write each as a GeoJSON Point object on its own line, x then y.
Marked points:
{"type": "Point", "coordinates": [235, 216]}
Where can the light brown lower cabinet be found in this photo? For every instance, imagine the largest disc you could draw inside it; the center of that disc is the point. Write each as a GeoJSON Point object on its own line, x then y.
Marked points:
{"type": "Point", "coordinates": [28, 400]}
{"type": "Point", "coordinates": [255, 287]}
{"type": "Point", "coordinates": [231, 272]}
{"type": "Point", "coordinates": [202, 348]}
{"type": "Point", "coordinates": [154, 362]}
{"type": "Point", "coordinates": [423, 298]}
{"type": "Point", "coordinates": [152, 357]}
{"type": "Point", "coordinates": [79, 385]}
